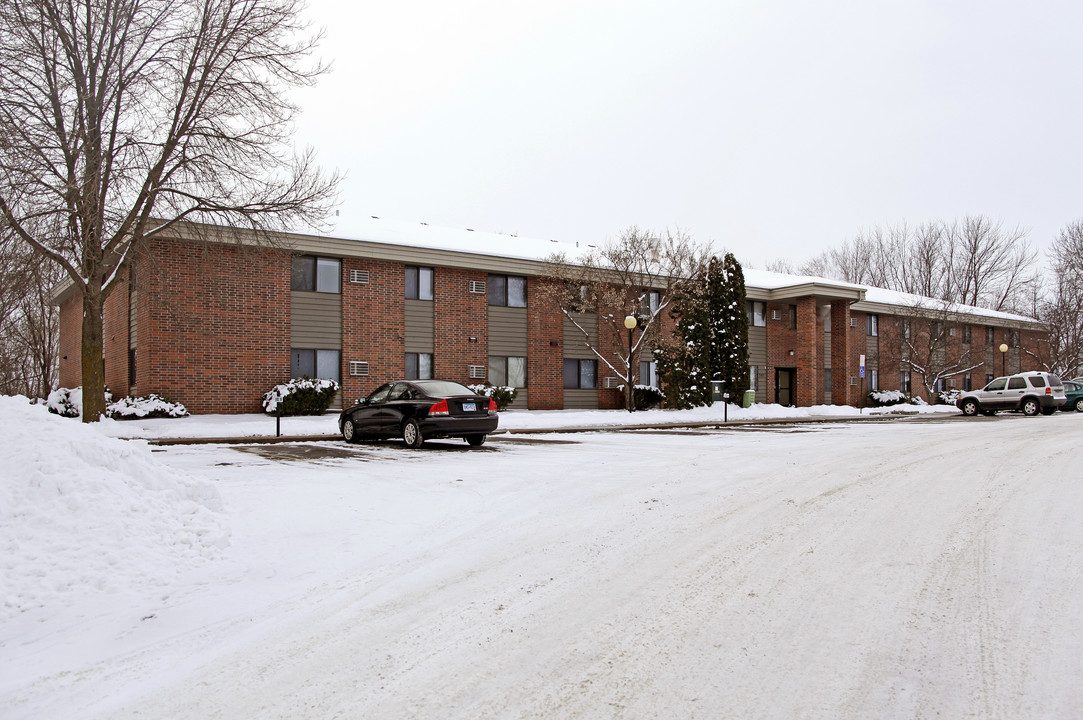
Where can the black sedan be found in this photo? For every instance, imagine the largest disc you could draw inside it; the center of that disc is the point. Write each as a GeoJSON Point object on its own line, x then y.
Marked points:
{"type": "Point", "coordinates": [418, 410]}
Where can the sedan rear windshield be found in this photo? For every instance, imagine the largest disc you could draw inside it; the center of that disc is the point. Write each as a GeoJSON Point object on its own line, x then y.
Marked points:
{"type": "Point", "coordinates": [442, 388]}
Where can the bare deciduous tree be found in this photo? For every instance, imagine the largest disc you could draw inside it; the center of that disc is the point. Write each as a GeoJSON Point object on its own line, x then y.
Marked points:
{"type": "Point", "coordinates": [122, 118]}
{"type": "Point", "coordinates": [973, 261]}
{"type": "Point", "coordinates": [1061, 309]}
{"type": "Point", "coordinates": [926, 349]}
{"type": "Point", "coordinates": [29, 324]}
{"type": "Point", "coordinates": [614, 282]}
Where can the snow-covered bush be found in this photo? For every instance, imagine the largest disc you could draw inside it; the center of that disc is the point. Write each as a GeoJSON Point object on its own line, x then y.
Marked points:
{"type": "Point", "coordinates": [947, 397]}
{"type": "Point", "coordinates": [645, 396]}
{"type": "Point", "coordinates": [152, 406]}
{"type": "Point", "coordinates": [65, 402]}
{"type": "Point", "coordinates": [300, 396]}
{"type": "Point", "coordinates": [502, 394]}
{"type": "Point", "coordinates": [883, 398]}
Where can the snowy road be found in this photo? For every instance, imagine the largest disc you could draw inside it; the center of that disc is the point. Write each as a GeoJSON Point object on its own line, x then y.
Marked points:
{"type": "Point", "coordinates": [898, 570]}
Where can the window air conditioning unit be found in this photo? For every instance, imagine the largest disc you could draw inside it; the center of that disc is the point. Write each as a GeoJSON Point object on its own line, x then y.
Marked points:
{"type": "Point", "coordinates": [359, 368]}
{"type": "Point", "coordinates": [360, 277]}
{"type": "Point", "coordinates": [853, 322]}
{"type": "Point", "coordinates": [853, 380]}
{"type": "Point", "coordinates": [477, 287]}
{"type": "Point", "coordinates": [477, 372]}
{"type": "Point", "coordinates": [611, 383]}
{"type": "Point", "coordinates": [776, 315]}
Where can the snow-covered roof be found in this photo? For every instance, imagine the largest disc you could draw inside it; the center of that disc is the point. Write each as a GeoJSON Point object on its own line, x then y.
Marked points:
{"type": "Point", "coordinates": [467, 240]}
{"type": "Point", "coordinates": [880, 296]}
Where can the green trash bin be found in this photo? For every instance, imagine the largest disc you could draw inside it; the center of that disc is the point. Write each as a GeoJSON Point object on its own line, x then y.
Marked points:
{"type": "Point", "coordinates": [748, 399]}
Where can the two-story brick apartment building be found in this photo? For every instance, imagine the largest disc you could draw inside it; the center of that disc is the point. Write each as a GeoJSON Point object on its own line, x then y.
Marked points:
{"type": "Point", "coordinates": [215, 325]}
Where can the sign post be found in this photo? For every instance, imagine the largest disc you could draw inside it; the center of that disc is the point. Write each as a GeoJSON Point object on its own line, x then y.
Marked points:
{"type": "Point", "coordinates": [861, 369]}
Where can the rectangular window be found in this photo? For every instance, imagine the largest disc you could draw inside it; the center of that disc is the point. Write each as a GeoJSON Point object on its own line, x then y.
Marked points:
{"type": "Point", "coordinates": [316, 274]}
{"type": "Point", "coordinates": [131, 366]}
{"type": "Point", "coordinates": [580, 374]}
{"type": "Point", "coordinates": [904, 381]}
{"type": "Point", "coordinates": [316, 364]}
{"type": "Point", "coordinates": [967, 334]}
{"type": "Point", "coordinates": [872, 324]}
{"type": "Point", "coordinates": [509, 371]}
{"type": "Point", "coordinates": [906, 328]}
{"type": "Point", "coordinates": [648, 373]}
{"type": "Point", "coordinates": [507, 290]}
{"type": "Point", "coordinates": [1015, 338]}
{"type": "Point", "coordinates": [753, 378]}
{"type": "Point", "coordinates": [874, 379]}
{"type": "Point", "coordinates": [968, 383]}
{"type": "Point", "coordinates": [418, 282]}
{"type": "Point", "coordinates": [650, 302]}
{"type": "Point", "coordinates": [419, 366]}
{"type": "Point", "coordinates": [757, 313]}
{"type": "Point", "coordinates": [988, 378]}
{"type": "Point", "coordinates": [990, 336]}
{"type": "Point", "coordinates": [827, 380]}
{"type": "Point", "coordinates": [793, 317]}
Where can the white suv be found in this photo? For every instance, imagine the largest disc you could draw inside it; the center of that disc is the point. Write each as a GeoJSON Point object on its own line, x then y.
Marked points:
{"type": "Point", "coordinates": [1031, 392]}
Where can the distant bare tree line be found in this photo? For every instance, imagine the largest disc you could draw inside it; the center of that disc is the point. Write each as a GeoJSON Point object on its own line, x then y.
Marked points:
{"type": "Point", "coordinates": [29, 324]}
{"type": "Point", "coordinates": [973, 261]}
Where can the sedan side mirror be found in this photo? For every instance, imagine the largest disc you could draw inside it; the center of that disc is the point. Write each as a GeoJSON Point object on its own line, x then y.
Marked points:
{"type": "Point", "coordinates": [361, 401]}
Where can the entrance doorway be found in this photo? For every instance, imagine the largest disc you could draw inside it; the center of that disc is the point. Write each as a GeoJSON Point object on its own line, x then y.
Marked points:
{"type": "Point", "coordinates": [785, 384]}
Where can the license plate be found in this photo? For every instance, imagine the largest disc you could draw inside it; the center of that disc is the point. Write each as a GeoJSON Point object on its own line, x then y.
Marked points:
{"type": "Point", "coordinates": [470, 407]}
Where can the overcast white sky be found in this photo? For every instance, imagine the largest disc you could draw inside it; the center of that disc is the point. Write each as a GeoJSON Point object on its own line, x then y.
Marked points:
{"type": "Point", "coordinates": [770, 128]}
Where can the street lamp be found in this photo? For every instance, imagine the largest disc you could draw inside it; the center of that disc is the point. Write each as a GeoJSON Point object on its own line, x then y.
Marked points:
{"type": "Point", "coordinates": [1003, 358]}
{"type": "Point", "coordinates": [630, 322]}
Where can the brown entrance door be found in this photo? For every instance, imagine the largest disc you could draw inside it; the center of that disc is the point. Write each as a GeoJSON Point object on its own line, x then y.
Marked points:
{"type": "Point", "coordinates": [785, 382]}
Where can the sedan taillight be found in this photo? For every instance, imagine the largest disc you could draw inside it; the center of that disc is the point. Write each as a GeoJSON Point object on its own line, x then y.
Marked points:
{"type": "Point", "coordinates": [439, 408]}
{"type": "Point", "coordinates": [492, 406]}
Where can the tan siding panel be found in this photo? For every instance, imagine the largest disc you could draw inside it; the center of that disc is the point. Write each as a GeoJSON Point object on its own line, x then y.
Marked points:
{"type": "Point", "coordinates": [507, 331]}
{"type": "Point", "coordinates": [581, 399]}
{"type": "Point", "coordinates": [574, 345]}
{"type": "Point", "coordinates": [827, 350]}
{"type": "Point", "coordinates": [316, 320]}
{"type": "Point", "coordinates": [757, 346]}
{"type": "Point", "coordinates": [872, 351]}
{"type": "Point", "coordinates": [419, 331]}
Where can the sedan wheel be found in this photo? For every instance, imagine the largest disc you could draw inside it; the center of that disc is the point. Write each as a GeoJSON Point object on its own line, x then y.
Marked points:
{"type": "Point", "coordinates": [1079, 405]}
{"type": "Point", "coordinates": [411, 434]}
{"type": "Point", "coordinates": [970, 408]}
{"type": "Point", "coordinates": [349, 432]}
{"type": "Point", "coordinates": [475, 440]}
{"type": "Point", "coordinates": [1031, 407]}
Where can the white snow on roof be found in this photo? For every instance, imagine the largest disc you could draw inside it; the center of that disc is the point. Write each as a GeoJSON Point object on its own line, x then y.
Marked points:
{"type": "Point", "coordinates": [466, 240]}
{"type": "Point", "coordinates": [423, 235]}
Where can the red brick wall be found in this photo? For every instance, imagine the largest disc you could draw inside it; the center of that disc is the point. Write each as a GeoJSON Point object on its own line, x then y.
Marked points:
{"type": "Point", "coordinates": [843, 342]}
{"type": "Point", "coordinates": [115, 338]}
{"type": "Point", "coordinates": [218, 330]}
{"type": "Point", "coordinates": [70, 373]}
{"type": "Point", "coordinates": [545, 348]}
{"type": "Point", "coordinates": [458, 316]}
{"type": "Point", "coordinates": [373, 320]}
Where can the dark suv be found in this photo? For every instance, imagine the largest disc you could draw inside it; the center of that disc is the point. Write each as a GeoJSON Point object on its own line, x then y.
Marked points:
{"type": "Point", "coordinates": [1030, 392]}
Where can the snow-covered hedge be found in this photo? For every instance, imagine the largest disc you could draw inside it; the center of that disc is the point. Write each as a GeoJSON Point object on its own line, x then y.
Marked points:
{"type": "Point", "coordinates": [883, 398]}
{"type": "Point", "coordinates": [300, 396]}
{"type": "Point", "coordinates": [68, 402]}
{"type": "Point", "coordinates": [502, 394]}
{"type": "Point", "coordinates": [152, 406]}
{"type": "Point", "coordinates": [645, 396]}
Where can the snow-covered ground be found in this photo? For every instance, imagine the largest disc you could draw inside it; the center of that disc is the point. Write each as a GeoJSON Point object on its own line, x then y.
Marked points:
{"type": "Point", "coordinates": [222, 426]}
{"type": "Point", "coordinates": [925, 567]}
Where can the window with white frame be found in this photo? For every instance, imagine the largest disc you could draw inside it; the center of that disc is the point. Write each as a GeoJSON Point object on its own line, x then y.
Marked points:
{"type": "Point", "coordinates": [580, 374]}
{"type": "Point", "coordinates": [872, 324]}
{"type": "Point", "coordinates": [419, 366]}
{"type": "Point", "coordinates": [507, 290]}
{"type": "Point", "coordinates": [418, 282]}
{"type": "Point", "coordinates": [648, 373]}
{"type": "Point", "coordinates": [316, 274]}
{"type": "Point", "coordinates": [904, 381]}
{"type": "Point", "coordinates": [507, 370]}
{"type": "Point", "coordinates": [757, 313]}
{"type": "Point", "coordinates": [874, 379]}
{"type": "Point", "coordinates": [316, 364]}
